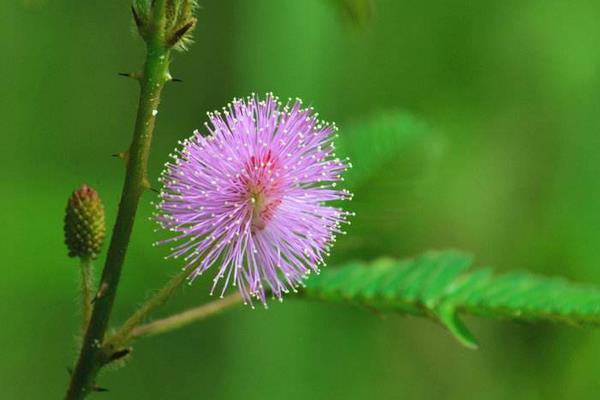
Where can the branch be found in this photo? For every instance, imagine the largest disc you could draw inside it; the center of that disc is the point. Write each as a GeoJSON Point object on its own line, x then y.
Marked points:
{"type": "Point", "coordinates": [155, 75]}
{"type": "Point", "coordinates": [122, 335]}
{"type": "Point", "coordinates": [186, 317]}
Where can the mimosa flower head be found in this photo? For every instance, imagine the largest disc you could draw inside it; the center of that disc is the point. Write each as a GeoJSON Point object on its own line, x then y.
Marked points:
{"type": "Point", "coordinates": [251, 197]}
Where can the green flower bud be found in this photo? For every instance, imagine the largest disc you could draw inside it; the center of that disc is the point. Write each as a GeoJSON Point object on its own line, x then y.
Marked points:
{"type": "Point", "coordinates": [178, 23]}
{"type": "Point", "coordinates": [84, 223]}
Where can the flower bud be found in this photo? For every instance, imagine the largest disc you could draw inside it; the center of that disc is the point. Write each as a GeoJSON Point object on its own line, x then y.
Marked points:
{"type": "Point", "coordinates": [84, 223]}
{"type": "Point", "coordinates": [178, 24]}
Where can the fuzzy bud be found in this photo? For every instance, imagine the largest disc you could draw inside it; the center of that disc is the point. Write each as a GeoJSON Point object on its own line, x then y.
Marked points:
{"type": "Point", "coordinates": [178, 24]}
{"type": "Point", "coordinates": [84, 223]}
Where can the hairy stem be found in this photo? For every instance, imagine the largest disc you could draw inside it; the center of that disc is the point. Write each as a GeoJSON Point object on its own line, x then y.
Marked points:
{"type": "Point", "coordinates": [123, 334]}
{"type": "Point", "coordinates": [155, 75]}
{"type": "Point", "coordinates": [186, 317]}
{"type": "Point", "coordinates": [86, 292]}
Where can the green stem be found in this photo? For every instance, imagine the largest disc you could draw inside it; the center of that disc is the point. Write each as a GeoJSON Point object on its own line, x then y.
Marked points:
{"type": "Point", "coordinates": [86, 292]}
{"type": "Point", "coordinates": [155, 75]}
{"type": "Point", "coordinates": [120, 338]}
{"type": "Point", "coordinates": [186, 317]}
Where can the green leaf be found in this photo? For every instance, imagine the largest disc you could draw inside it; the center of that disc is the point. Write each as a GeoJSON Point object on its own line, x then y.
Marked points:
{"type": "Point", "coordinates": [440, 286]}
{"type": "Point", "coordinates": [380, 139]}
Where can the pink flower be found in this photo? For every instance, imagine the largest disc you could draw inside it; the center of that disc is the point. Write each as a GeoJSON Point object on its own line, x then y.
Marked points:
{"type": "Point", "coordinates": [252, 198]}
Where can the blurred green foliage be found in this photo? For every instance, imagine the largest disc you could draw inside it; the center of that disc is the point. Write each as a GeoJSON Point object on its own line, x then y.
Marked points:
{"type": "Point", "coordinates": [510, 87]}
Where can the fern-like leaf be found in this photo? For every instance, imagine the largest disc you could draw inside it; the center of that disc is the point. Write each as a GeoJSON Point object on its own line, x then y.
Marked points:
{"type": "Point", "coordinates": [440, 286]}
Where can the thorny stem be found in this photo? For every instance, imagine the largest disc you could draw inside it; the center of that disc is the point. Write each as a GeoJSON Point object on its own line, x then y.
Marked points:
{"type": "Point", "coordinates": [186, 317]}
{"type": "Point", "coordinates": [155, 75]}
{"type": "Point", "coordinates": [86, 292]}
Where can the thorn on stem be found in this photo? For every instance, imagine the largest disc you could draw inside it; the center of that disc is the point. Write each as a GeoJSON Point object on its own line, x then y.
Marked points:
{"type": "Point", "coordinates": [176, 80]}
{"type": "Point", "coordinates": [120, 354]}
{"type": "Point", "coordinates": [180, 32]}
{"type": "Point", "coordinates": [146, 185]}
{"type": "Point", "coordinates": [124, 155]}
{"type": "Point", "coordinates": [99, 389]}
{"type": "Point", "coordinates": [134, 75]}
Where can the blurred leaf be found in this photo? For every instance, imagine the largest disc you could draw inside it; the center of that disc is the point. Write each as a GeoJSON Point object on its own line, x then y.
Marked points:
{"type": "Point", "coordinates": [371, 143]}
{"type": "Point", "coordinates": [439, 286]}
{"type": "Point", "coordinates": [359, 12]}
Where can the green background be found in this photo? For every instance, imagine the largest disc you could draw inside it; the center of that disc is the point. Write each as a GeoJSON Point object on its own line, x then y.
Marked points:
{"type": "Point", "coordinates": [511, 90]}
